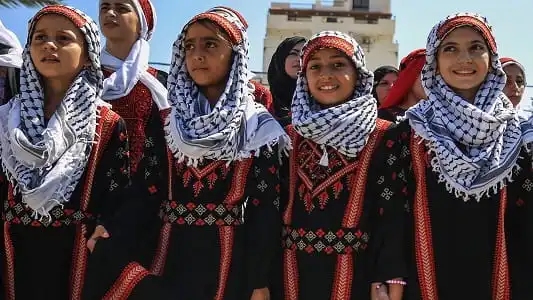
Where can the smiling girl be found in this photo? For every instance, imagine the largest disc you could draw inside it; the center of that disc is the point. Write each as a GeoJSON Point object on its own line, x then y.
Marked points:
{"type": "Point", "coordinates": [65, 155]}
{"type": "Point", "coordinates": [471, 175]}
{"type": "Point", "coordinates": [339, 235]}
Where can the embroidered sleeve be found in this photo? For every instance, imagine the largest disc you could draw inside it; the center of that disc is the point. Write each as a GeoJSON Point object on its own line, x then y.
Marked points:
{"type": "Point", "coordinates": [388, 177]}
{"type": "Point", "coordinates": [112, 178]}
{"type": "Point", "coordinates": [262, 218]}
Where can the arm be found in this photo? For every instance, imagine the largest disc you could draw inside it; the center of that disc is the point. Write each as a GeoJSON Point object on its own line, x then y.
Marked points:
{"type": "Point", "coordinates": [262, 218]}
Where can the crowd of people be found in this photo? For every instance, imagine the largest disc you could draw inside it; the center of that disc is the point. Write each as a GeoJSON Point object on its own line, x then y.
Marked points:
{"type": "Point", "coordinates": [120, 181]}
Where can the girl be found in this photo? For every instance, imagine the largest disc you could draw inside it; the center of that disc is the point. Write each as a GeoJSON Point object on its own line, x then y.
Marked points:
{"type": "Point", "coordinates": [384, 78]}
{"type": "Point", "coordinates": [137, 93]}
{"type": "Point", "coordinates": [471, 195]}
{"type": "Point", "coordinates": [338, 235]}
{"type": "Point", "coordinates": [282, 73]}
{"type": "Point", "coordinates": [516, 79]}
{"type": "Point", "coordinates": [407, 90]}
{"type": "Point", "coordinates": [65, 155]}
{"type": "Point", "coordinates": [220, 223]}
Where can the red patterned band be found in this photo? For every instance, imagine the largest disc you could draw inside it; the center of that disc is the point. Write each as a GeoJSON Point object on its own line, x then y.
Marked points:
{"type": "Point", "coordinates": [72, 15]}
{"type": "Point", "coordinates": [471, 21]}
{"type": "Point", "coordinates": [327, 42]}
{"type": "Point", "coordinates": [148, 13]}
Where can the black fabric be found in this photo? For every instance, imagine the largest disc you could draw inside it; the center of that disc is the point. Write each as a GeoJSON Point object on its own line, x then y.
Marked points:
{"type": "Point", "coordinates": [282, 86]}
{"type": "Point", "coordinates": [379, 73]}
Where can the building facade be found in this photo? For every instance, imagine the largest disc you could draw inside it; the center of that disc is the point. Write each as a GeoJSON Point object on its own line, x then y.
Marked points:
{"type": "Point", "coordinates": [370, 22]}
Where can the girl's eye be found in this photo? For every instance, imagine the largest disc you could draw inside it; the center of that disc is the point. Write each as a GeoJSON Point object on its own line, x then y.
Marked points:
{"type": "Point", "coordinates": [188, 47]}
{"type": "Point", "coordinates": [210, 45]}
{"type": "Point", "coordinates": [478, 47]}
{"type": "Point", "coordinates": [338, 65]}
{"type": "Point", "coordinates": [39, 37]}
{"type": "Point", "coordinates": [313, 67]}
{"type": "Point", "coordinates": [449, 49]}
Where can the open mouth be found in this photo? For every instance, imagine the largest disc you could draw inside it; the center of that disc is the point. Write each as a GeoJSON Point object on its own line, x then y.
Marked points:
{"type": "Point", "coordinates": [465, 73]}
{"type": "Point", "coordinates": [328, 88]}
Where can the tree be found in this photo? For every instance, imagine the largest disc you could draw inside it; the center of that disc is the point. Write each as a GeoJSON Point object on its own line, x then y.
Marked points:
{"type": "Point", "coordinates": [27, 3]}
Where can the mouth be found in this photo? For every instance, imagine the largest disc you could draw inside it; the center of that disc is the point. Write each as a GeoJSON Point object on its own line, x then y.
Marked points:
{"type": "Point", "coordinates": [200, 69]}
{"type": "Point", "coordinates": [50, 60]}
{"type": "Point", "coordinates": [329, 88]}
{"type": "Point", "coordinates": [111, 24]}
{"type": "Point", "coordinates": [464, 73]}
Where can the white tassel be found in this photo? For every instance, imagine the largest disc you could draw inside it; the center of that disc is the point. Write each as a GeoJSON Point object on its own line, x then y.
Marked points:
{"type": "Point", "coordinates": [324, 160]}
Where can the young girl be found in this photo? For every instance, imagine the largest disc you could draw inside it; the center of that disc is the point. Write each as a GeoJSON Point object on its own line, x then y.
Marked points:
{"type": "Point", "coordinates": [384, 78]}
{"type": "Point", "coordinates": [65, 155]}
{"type": "Point", "coordinates": [220, 224]}
{"type": "Point", "coordinates": [407, 90]}
{"type": "Point", "coordinates": [137, 93]}
{"type": "Point", "coordinates": [282, 72]}
{"type": "Point", "coordinates": [472, 194]}
{"type": "Point", "coordinates": [516, 79]}
{"type": "Point", "coordinates": [339, 235]}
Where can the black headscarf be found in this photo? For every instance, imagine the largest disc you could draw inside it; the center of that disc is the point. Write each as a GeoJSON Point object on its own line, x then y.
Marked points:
{"type": "Point", "coordinates": [379, 73]}
{"type": "Point", "coordinates": [282, 86]}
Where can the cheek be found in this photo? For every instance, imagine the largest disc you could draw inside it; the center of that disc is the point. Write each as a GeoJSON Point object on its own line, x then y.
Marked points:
{"type": "Point", "coordinates": [289, 62]}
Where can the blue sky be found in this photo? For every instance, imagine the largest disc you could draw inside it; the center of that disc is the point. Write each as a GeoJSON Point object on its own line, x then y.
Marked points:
{"type": "Point", "coordinates": [511, 20]}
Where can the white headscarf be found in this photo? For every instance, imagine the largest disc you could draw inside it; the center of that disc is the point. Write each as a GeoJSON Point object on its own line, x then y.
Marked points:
{"type": "Point", "coordinates": [13, 57]}
{"type": "Point", "coordinates": [135, 67]}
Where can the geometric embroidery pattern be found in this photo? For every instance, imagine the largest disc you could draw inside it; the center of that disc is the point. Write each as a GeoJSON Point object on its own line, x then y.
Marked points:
{"type": "Point", "coordinates": [210, 214]}
{"type": "Point", "coordinates": [342, 241]}
{"type": "Point", "coordinates": [16, 213]}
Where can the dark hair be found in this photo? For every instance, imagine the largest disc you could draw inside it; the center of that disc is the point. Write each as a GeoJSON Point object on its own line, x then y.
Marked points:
{"type": "Point", "coordinates": [379, 73]}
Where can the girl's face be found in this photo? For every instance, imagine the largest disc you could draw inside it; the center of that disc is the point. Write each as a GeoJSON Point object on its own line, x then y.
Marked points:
{"type": "Point", "coordinates": [515, 85]}
{"type": "Point", "coordinates": [119, 20]}
{"type": "Point", "coordinates": [331, 77]}
{"type": "Point", "coordinates": [384, 86]}
{"type": "Point", "coordinates": [208, 54]}
{"type": "Point", "coordinates": [292, 62]}
{"type": "Point", "coordinates": [463, 61]}
{"type": "Point", "coordinates": [57, 48]}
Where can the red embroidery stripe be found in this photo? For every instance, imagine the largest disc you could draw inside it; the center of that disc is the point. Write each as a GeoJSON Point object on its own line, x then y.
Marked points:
{"type": "Point", "coordinates": [79, 262]}
{"type": "Point", "coordinates": [9, 281]}
{"type": "Point", "coordinates": [293, 167]}
{"type": "Point", "coordinates": [226, 244]}
{"type": "Point", "coordinates": [342, 286]}
{"type": "Point", "coordinates": [423, 239]}
{"type": "Point", "coordinates": [158, 264]}
{"type": "Point", "coordinates": [500, 279]}
{"type": "Point", "coordinates": [127, 281]}
{"type": "Point", "coordinates": [240, 174]}
{"type": "Point", "coordinates": [290, 275]}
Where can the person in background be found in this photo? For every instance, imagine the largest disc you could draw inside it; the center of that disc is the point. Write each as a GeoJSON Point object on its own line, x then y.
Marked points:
{"type": "Point", "coordinates": [516, 79]}
{"type": "Point", "coordinates": [282, 73]}
{"type": "Point", "coordinates": [340, 231]}
{"type": "Point", "coordinates": [384, 78]}
{"type": "Point", "coordinates": [469, 171]}
{"type": "Point", "coordinates": [65, 155]}
{"type": "Point", "coordinates": [407, 90]}
{"type": "Point", "coordinates": [10, 64]}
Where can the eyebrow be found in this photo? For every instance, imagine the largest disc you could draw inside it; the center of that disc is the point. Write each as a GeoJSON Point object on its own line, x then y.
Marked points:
{"type": "Point", "coordinates": [456, 43]}
{"type": "Point", "coordinates": [203, 39]}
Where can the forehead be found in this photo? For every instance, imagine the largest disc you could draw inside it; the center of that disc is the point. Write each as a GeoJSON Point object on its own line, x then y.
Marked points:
{"type": "Point", "coordinates": [117, 2]}
{"type": "Point", "coordinates": [325, 53]}
{"type": "Point", "coordinates": [463, 34]}
{"type": "Point", "coordinates": [201, 30]}
{"type": "Point", "coordinates": [513, 70]}
{"type": "Point", "coordinates": [389, 76]}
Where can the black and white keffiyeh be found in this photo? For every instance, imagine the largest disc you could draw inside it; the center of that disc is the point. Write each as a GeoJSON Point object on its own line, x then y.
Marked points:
{"type": "Point", "coordinates": [476, 145]}
{"type": "Point", "coordinates": [46, 161]}
{"type": "Point", "coordinates": [237, 126]}
{"type": "Point", "coordinates": [347, 126]}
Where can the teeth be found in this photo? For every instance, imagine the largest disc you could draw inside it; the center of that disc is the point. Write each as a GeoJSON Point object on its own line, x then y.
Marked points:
{"type": "Point", "coordinates": [464, 72]}
{"type": "Point", "coordinates": [328, 87]}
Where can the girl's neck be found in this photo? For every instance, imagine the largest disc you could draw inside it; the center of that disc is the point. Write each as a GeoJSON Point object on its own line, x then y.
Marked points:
{"type": "Point", "coordinates": [119, 48]}
{"type": "Point", "coordinates": [213, 92]}
{"type": "Point", "coordinates": [54, 92]}
{"type": "Point", "coordinates": [410, 100]}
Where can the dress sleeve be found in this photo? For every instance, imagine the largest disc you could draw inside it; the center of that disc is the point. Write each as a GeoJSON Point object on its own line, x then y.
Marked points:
{"type": "Point", "coordinates": [113, 176]}
{"type": "Point", "coordinates": [262, 217]}
{"type": "Point", "coordinates": [388, 177]}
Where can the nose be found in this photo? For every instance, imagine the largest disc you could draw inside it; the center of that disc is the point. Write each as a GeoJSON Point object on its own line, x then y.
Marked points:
{"type": "Point", "coordinates": [198, 55]}
{"type": "Point", "coordinates": [50, 45]}
{"type": "Point", "coordinates": [465, 57]}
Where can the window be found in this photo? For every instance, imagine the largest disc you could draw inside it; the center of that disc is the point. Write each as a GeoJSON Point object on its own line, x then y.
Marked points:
{"type": "Point", "coordinates": [331, 20]}
{"type": "Point", "coordinates": [361, 4]}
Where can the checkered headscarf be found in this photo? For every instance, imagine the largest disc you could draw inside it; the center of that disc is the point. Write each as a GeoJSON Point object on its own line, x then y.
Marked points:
{"type": "Point", "coordinates": [46, 161]}
{"type": "Point", "coordinates": [477, 145]}
{"type": "Point", "coordinates": [347, 126]}
{"type": "Point", "coordinates": [236, 126]}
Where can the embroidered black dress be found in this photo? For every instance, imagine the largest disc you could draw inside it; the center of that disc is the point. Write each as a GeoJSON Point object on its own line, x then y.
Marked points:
{"type": "Point", "coordinates": [219, 229]}
{"type": "Point", "coordinates": [391, 113]}
{"type": "Point", "coordinates": [46, 259]}
{"type": "Point", "coordinates": [342, 230]}
{"type": "Point", "coordinates": [467, 250]}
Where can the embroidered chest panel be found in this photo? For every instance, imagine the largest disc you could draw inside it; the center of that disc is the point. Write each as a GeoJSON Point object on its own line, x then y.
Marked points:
{"type": "Point", "coordinates": [317, 184]}
{"type": "Point", "coordinates": [136, 110]}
